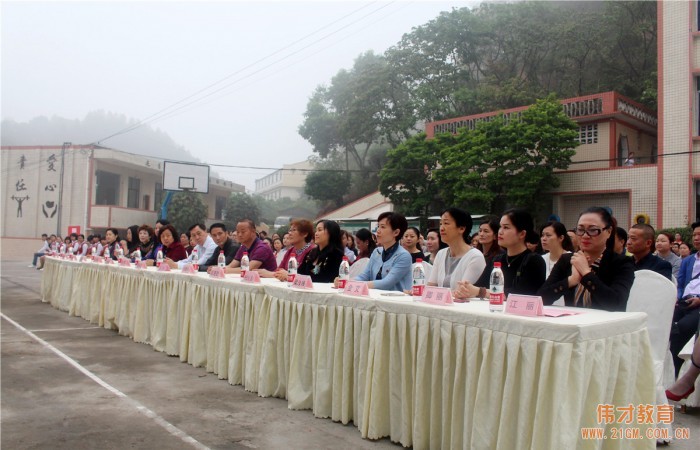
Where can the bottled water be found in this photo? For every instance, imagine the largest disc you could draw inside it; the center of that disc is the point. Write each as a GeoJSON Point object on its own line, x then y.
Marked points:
{"type": "Point", "coordinates": [496, 292]}
{"type": "Point", "coordinates": [343, 273]}
{"type": "Point", "coordinates": [418, 279]}
{"type": "Point", "coordinates": [107, 255]}
{"type": "Point", "coordinates": [291, 269]}
{"type": "Point", "coordinates": [221, 260]}
{"type": "Point", "coordinates": [245, 264]}
{"type": "Point", "coordinates": [137, 256]}
{"type": "Point", "coordinates": [119, 251]}
{"type": "Point", "coordinates": [195, 258]}
{"type": "Point", "coordinates": [159, 258]}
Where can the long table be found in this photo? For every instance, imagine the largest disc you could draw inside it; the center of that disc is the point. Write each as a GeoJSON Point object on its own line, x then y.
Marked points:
{"type": "Point", "coordinates": [425, 376]}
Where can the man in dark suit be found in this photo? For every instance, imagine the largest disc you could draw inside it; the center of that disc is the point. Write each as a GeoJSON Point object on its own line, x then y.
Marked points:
{"type": "Point", "coordinates": [687, 313]}
{"type": "Point", "coordinates": [224, 244]}
{"type": "Point", "coordinates": [640, 243]}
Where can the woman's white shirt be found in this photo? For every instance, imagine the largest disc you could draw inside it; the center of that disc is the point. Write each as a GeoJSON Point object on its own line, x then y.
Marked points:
{"type": "Point", "coordinates": [469, 268]}
{"type": "Point", "coordinates": [549, 264]}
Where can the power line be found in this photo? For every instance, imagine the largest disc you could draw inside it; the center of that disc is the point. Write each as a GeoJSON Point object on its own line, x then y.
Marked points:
{"type": "Point", "coordinates": [153, 117]}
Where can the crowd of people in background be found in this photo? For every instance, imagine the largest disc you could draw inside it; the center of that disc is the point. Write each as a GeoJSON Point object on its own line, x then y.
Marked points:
{"type": "Point", "coordinates": [591, 265]}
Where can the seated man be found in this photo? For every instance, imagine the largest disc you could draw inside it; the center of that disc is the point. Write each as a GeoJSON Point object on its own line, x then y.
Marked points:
{"type": "Point", "coordinates": [687, 312]}
{"type": "Point", "coordinates": [205, 247]}
{"type": "Point", "coordinates": [259, 254]}
{"type": "Point", "coordinates": [218, 233]}
{"type": "Point", "coordinates": [640, 242]}
{"type": "Point", "coordinates": [389, 266]}
{"type": "Point", "coordinates": [45, 247]}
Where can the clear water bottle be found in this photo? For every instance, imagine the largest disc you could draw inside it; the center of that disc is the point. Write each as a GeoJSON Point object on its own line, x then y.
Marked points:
{"type": "Point", "coordinates": [418, 273]}
{"type": "Point", "coordinates": [291, 269]}
{"type": "Point", "coordinates": [159, 257]}
{"type": "Point", "coordinates": [119, 251]}
{"type": "Point", "coordinates": [62, 250]}
{"type": "Point", "coordinates": [107, 255]}
{"type": "Point", "coordinates": [137, 256]}
{"type": "Point", "coordinates": [195, 259]}
{"type": "Point", "coordinates": [221, 260]}
{"type": "Point", "coordinates": [245, 264]}
{"type": "Point", "coordinates": [496, 292]}
{"type": "Point", "coordinates": [343, 273]}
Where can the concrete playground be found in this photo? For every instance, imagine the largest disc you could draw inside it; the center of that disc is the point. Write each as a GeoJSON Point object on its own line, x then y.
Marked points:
{"type": "Point", "coordinates": [68, 384]}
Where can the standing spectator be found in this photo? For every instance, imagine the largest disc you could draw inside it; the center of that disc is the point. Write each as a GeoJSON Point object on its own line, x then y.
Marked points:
{"type": "Point", "coordinates": [663, 250]}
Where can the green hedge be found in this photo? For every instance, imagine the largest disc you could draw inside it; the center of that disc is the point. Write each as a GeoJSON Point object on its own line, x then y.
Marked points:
{"type": "Point", "coordinates": [686, 234]}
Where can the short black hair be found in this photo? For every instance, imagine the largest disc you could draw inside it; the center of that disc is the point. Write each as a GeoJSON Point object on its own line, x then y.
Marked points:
{"type": "Point", "coordinates": [200, 225]}
{"type": "Point", "coordinates": [396, 222]}
{"type": "Point", "coordinates": [217, 225]}
{"type": "Point", "coordinates": [695, 225]}
{"type": "Point", "coordinates": [462, 218]}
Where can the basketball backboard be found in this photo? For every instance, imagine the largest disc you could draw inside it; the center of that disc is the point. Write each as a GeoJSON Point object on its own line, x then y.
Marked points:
{"type": "Point", "coordinates": [185, 177]}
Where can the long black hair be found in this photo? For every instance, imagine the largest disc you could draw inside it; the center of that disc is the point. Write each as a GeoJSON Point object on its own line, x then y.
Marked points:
{"type": "Point", "coordinates": [364, 235]}
{"type": "Point", "coordinates": [608, 220]}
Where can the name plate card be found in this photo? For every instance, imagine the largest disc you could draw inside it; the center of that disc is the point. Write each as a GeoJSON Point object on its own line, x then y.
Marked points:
{"type": "Point", "coordinates": [358, 288]}
{"type": "Point", "coordinates": [252, 276]}
{"type": "Point", "coordinates": [188, 268]}
{"type": "Point", "coordinates": [164, 267]}
{"type": "Point", "coordinates": [141, 265]}
{"type": "Point", "coordinates": [302, 282]}
{"type": "Point", "coordinates": [123, 262]}
{"type": "Point", "coordinates": [524, 305]}
{"type": "Point", "coordinates": [437, 296]}
{"type": "Point", "coordinates": [217, 272]}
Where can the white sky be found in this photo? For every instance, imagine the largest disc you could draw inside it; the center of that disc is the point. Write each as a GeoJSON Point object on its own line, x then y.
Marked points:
{"type": "Point", "coordinates": [137, 58]}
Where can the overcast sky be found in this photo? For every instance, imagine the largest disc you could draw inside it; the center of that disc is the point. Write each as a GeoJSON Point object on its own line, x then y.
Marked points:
{"type": "Point", "coordinates": [137, 58]}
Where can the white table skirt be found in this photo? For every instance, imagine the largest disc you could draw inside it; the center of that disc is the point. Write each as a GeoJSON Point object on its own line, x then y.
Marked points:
{"type": "Point", "coordinates": [426, 376]}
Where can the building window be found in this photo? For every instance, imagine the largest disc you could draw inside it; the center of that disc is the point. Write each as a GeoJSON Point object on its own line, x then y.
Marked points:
{"type": "Point", "coordinates": [588, 134]}
{"type": "Point", "coordinates": [134, 192]}
{"type": "Point", "coordinates": [146, 201]}
{"type": "Point", "coordinates": [107, 189]}
{"type": "Point", "coordinates": [696, 112]}
{"type": "Point", "coordinates": [158, 197]}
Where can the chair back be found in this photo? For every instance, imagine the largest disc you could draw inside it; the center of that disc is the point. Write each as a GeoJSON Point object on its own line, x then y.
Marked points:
{"type": "Point", "coordinates": [655, 295]}
{"type": "Point", "coordinates": [357, 267]}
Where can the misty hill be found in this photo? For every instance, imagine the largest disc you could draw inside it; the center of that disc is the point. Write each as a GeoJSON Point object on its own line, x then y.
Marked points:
{"type": "Point", "coordinates": [96, 125]}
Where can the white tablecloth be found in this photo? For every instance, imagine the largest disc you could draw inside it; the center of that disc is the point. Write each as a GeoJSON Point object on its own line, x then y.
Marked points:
{"type": "Point", "coordinates": [426, 376]}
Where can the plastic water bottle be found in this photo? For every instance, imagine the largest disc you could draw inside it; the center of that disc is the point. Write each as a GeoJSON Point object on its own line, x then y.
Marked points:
{"type": "Point", "coordinates": [159, 257]}
{"type": "Point", "coordinates": [195, 258]}
{"type": "Point", "coordinates": [496, 292]}
{"type": "Point", "coordinates": [120, 252]}
{"type": "Point", "coordinates": [107, 256]}
{"type": "Point", "coordinates": [291, 269]}
{"type": "Point", "coordinates": [221, 260]}
{"type": "Point", "coordinates": [137, 256]}
{"type": "Point", "coordinates": [245, 264]}
{"type": "Point", "coordinates": [418, 279]}
{"type": "Point", "coordinates": [62, 250]}
{"type": "Point", "coordinates": [343, 273]}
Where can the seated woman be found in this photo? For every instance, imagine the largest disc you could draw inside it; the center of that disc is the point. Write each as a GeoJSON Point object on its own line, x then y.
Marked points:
{"type": "Point", "coordinates": [172, 248]}
{"type": "Point", "coordinates": [346, 238]}
{"type": "Point", "coordinates": [146, 244]}
{"type": "Point", "coordinates": [595, 276]}
{"type": "Point", "coordinates": [685, 384]}
{"type": "Point", "coordinates": [389, 267]}
{"type": "Point", "coordinates": [523, 270]}
{"type": "Point", "coordinates": [323, 261]}
{"type": "Point", "coordinates": [555, 241]}
{"type": "Point", "coordinates": [300, 238]}
{"type": "Point", "coordinates": [460, 261]}
{"type": "Point", "coordinates": [663, 251]}
{"type": "Point", "coordinates": [129, 244]}
{"type": "Point", "coordinates": [488, 234]}
{"type": "Point", "coordinates": [410, 243]}
{"type": "Point", "coordinates": [434, 244]}
{"type": "Point", "coordinates": [365, 243]}
{"type": "Point", "coordinates": [112, 238]}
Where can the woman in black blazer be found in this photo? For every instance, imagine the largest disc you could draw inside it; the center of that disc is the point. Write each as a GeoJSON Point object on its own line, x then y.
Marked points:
{"type": "Point", "coordinates": [322, 263]}
{"type": "Point", "coordinates": [594, 277]}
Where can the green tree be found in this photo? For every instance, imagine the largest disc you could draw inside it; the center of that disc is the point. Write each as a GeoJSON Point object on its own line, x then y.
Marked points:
{"type": "Point", "coordinates": [186, 209]}
{"type": "Point", "coordinates": [407, 177]}
{"type": "Point", "coordinates": [328, 187]}
{"type": "Point", "coordinates": [240, 206]}
{"type": "Point", "coordinates": [508, 162]}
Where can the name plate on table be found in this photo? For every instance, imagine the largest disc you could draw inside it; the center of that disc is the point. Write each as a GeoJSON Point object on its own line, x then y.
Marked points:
{"type": "Point", "coordinates": [251, 276]}
{"type": "Point", "coordinates": [302, 282]}
{"type": "Point", "coordinates": [437, 296]}
{"type": "Point", "coordinates": [123, 262]}
{"type": "Point", "coordinates": [524, 305]}
{"type": "Point", "coordinates": [217, 272]}
{"type": "Point", "coordinates": [188, 268]}
{"type": "Point", "coordinates": [164, 267]}
{"type": "Point", "coordinates": [141, 265]}
{"type": "Point", "coordinates": [358, 288]}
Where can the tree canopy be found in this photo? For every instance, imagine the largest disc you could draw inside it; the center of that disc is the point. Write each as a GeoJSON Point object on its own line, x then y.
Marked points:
{"type": "Point", "coordinates": [185, 210]}
{"type": "Point", "coordinates": [240, 206]}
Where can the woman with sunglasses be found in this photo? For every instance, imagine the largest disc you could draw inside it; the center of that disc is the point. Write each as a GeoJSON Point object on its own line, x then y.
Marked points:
{"type": "Point", "coordinates": [595, 276]}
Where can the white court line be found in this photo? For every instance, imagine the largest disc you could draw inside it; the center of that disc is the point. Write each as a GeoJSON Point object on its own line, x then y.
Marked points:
{"type": "Point", "coordinates": [66, 329]}
{"type": "Point", "coordinates": [170, 428]}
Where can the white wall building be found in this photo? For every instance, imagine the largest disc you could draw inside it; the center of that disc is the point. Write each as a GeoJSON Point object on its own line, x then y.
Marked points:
{"type": "Point", "coordinates": [286, 182]}
{"type": "Point", "coordinates": [99, 187]}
